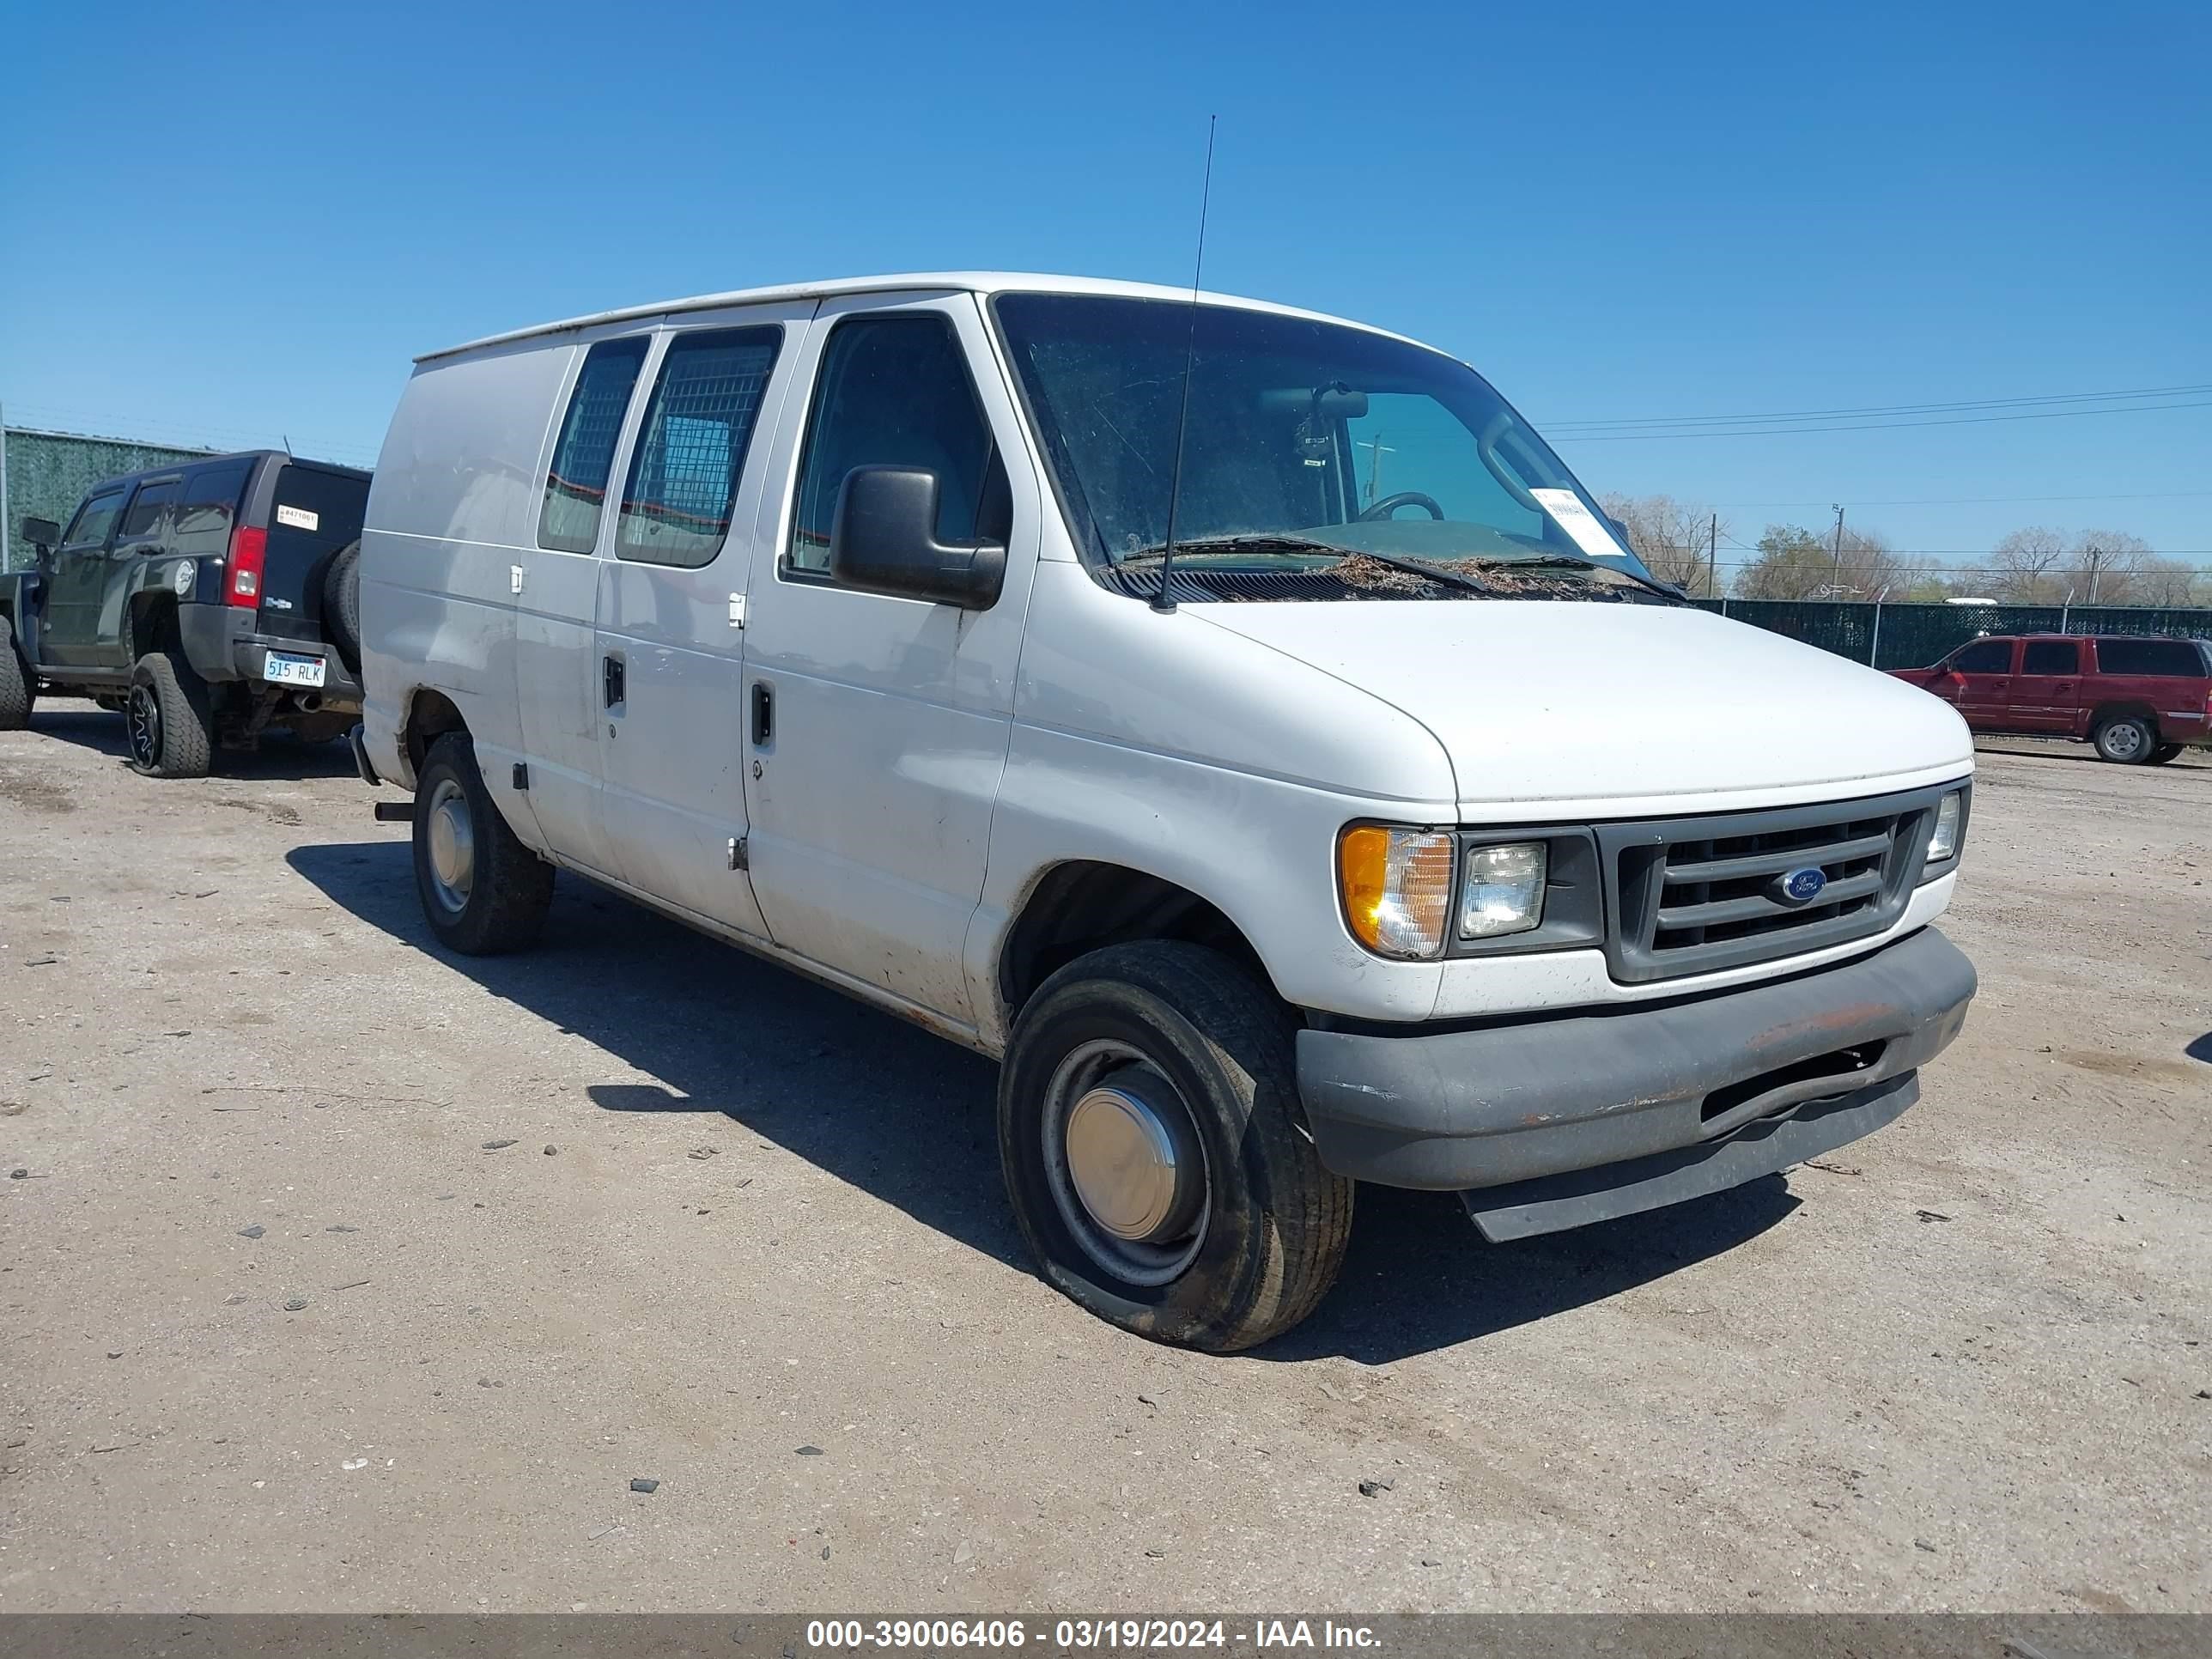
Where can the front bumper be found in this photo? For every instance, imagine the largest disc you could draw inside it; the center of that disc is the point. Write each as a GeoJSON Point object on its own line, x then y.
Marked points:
{"type": "Point", "coordinates": [223, 644]}
{"type": "Point", "coordinates": [1655, 1103]}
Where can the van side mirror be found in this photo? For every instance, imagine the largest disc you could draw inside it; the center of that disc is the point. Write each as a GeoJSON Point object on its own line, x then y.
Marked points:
{"type": "Point", "coordinates": [44, 534]}
{"type": "Point", "coordinates": [883, 540]}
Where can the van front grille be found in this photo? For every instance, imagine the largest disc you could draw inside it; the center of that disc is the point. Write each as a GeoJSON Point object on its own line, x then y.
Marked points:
{"type": "Point", "coordinates": [1696, 895]}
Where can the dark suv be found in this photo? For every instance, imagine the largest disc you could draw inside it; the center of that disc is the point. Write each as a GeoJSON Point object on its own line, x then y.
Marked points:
{"type": "Point", "coordinates": [205, 602]}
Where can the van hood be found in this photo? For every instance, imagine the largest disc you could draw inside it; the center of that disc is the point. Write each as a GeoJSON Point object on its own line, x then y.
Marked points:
{"type": "Point", "coordinates": [1621, 707]}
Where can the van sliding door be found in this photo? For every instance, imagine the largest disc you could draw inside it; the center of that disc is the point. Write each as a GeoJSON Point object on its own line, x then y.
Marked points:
{"type": "Point", "coordinates": [672, 631]}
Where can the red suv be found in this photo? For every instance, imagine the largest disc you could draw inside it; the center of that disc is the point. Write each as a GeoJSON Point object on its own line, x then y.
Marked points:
{"type": "Point", "coordinates": [2138, 699]}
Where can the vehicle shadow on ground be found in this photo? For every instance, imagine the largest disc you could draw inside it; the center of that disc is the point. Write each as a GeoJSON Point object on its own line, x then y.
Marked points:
{"type": "Point", "coordinates": [282, 756]}
{"type": "Point", "coordinates": [911, 1120]}
{"type": "Point", "coordinates": [2080, 754]}
{"type": "Point", "coordinates": [2201, 1048]}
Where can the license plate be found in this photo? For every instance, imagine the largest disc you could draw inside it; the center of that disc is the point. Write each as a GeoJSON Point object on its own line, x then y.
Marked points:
{"type": "Point", "coordinates": [283, 668]}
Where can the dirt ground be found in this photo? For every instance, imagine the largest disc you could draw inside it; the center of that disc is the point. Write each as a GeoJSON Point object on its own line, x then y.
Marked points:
{"type": "Point", "coordinates": [634, 1207]}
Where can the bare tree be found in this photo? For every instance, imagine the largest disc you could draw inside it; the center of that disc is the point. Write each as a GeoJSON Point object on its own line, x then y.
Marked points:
{"type": "Point", "coordinates": [1794, 563]}
{"type": "Point", "coordinates": [2104, 567]}
{"type": "Point", "coordinates": [1674, 537]}
{"type": "Point", "coordinates": [2025, 566]}
{"type": "Point", "coordinates": [2163, 581]}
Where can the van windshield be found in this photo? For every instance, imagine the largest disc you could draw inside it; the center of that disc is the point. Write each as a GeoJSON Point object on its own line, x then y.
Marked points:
{"type": "Point", "coordinates": [1313, 449]}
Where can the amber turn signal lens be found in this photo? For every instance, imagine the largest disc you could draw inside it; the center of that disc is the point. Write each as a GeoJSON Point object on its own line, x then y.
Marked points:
{"type": "Point", "coordinates": [1396, 886]}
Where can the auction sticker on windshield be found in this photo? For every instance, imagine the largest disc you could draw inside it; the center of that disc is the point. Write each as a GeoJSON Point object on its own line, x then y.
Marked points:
{"type": "Point", "coordinates": [1568, 512]}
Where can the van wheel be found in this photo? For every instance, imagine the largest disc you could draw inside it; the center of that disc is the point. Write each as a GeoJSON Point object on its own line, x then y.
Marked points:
{"type": "Point", "coordinates": [2125, 739]}
{"type": "Point", "coordinates": [2164, 752]}
{"type": "Point", "coordinates": [484, 891]}
{"type": "Point", "coordinates": [1148, 1132]}
{"type": "Point", "coordinates": [168, 719]}
{"type": "Point", "coordinates": [18, 688]}
{"type": "Point", "coordinates": [342, 605]}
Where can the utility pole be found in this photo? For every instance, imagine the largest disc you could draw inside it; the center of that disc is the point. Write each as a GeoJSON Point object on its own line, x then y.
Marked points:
{"type": "Point", "coordinates": [1713, 555]}
{"type": "Point", "coordinates": [1836, 565]}
{"type": "Point", "coordinates": [1377, 449]}
{"type": "Point", "coordinates": [2095, 555]}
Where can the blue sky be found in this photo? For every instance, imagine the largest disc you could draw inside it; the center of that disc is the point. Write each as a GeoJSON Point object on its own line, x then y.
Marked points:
{"type": "Point", "coordinates": [237, 224]}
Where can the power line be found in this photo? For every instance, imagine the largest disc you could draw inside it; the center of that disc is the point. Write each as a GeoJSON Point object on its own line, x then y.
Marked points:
{"type": "Point", "coordinates": [1870, 426]}
{"type": "Point", "coordinates": [1884, 408]}
{"type": "Point", "coordinates": [1981, 501]}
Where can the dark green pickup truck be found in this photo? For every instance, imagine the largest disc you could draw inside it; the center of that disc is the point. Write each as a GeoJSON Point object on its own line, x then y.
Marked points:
{"type": "Point", "coordinates": [205, 602]}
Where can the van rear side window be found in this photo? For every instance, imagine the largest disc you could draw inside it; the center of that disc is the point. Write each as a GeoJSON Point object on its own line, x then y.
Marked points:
{"type": "Point", "coordinates": [692, 450]}
{"type": "Point", "coordinates": [576, 483]}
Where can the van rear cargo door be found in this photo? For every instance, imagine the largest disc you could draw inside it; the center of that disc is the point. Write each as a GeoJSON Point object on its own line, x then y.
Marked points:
{"type": "Point", "coordinates": [316, 512]}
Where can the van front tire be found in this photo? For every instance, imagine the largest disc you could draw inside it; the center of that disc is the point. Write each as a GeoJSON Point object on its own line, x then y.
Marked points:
{"type": "Point", "coordinates": [1148, 1132]}
{"type": "Point", "coordinates": [484, 892]}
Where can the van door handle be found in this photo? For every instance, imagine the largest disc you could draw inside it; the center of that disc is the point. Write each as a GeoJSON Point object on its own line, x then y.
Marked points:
{"type": "Point", "coordinates": [612, 676]}
{"type": "Point", "coordinates": [763, 714]}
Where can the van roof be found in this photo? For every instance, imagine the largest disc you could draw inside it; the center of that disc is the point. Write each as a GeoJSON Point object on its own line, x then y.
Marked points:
{"type": "Point", "coordinates": [972, 281]}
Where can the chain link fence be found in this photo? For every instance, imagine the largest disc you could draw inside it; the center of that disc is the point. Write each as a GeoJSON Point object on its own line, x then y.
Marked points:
{"type": "Point", "coordinates": [43, 475]}
{"type": "Point", "coordinates": [1914, 635]}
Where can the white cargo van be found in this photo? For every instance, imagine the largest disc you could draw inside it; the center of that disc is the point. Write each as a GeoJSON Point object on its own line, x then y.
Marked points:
{"type": "Point", "coordinates": [1236, 719]}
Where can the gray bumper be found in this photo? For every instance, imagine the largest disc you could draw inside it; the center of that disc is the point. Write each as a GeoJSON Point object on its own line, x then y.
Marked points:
{"type": "Point", "coordinates": [1642, 1106]}
{"type": "Point", "coordinates": [222, 643]}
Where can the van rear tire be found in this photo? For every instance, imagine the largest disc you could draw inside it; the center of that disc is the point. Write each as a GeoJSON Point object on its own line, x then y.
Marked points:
{"type": "Point", "coordinates": [2165, 752]}
{"type": "Point", "coordinates": [1167, 1045]}
{"type": "Point", "coordinates": [482, 891]}
{"type": "Point", "coordinates": [19, 690]}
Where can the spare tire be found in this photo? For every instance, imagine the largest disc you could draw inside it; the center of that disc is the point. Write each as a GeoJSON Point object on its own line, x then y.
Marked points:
{"type": "Point", "coordinates": [342, 605]}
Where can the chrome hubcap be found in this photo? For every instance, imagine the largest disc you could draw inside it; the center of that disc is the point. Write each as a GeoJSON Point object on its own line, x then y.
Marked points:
{"type": "Point", "coordinates": [452, 844]}
{"type": "Point", "coordinates": [143, 714]}
{"type": "Point", "coordinates": [1125, 1163]}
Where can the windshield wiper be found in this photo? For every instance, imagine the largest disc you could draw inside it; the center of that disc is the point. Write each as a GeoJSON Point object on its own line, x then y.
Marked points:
{"type": "Point", "coordinates": [1419, 568]}
{"type": "Point", "coordinates": [1445, 575]}
{"type": "Point", "coordinates": [1569, 562]}
{"type": "Point", "coordinates": [1234, 545]}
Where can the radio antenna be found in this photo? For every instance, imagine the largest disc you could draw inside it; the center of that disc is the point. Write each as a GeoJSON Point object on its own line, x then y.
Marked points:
{"type": "Point", "coordinates": [1161, 602]}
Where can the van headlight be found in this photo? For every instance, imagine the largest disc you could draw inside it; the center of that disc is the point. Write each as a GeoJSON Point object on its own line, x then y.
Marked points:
{"type": "Point", "coordinates": [1950, 813]}
{"type": "Point", "coordinates": [1503, 890]}
{"type": "Point", "coordinates": [1396, 887]}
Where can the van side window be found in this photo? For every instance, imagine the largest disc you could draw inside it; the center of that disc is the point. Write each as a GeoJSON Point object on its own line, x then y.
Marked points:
{"type": "Point", "coordinates": [2051, 657]}
{"type": "Point", "coordinates": [692, 450]}
{"type": "Point", "coordinates": [576, 482]}
{"type": "Point", "coordinates": [1983, 657]}
{"type": "Point", "coordinates": [894, 391]}
{"type": "Point", "coordinates": [93, 521]}
{"type": "Point", "coordinates": [209, 507]}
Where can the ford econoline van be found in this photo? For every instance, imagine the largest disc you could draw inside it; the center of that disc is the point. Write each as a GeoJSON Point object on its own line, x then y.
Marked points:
{"type": "Point", "coordinates": [1237, 721]}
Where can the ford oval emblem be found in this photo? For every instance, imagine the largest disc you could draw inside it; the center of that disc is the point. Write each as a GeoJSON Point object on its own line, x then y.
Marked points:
{"type": "Point", "coordinates": [1804, 885]}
